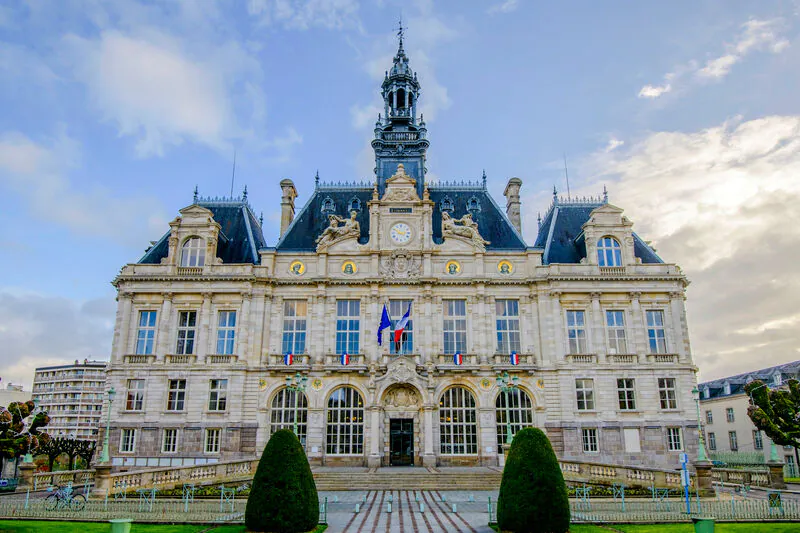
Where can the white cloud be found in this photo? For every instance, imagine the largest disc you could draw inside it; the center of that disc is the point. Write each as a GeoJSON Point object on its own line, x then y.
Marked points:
{"type": "Point", "coordinates": [722, 203]}
{"type": "Point", "coordinates": [613, 144]}
{"type": "Point", "coordinates": [508, 6]}
{"type": "Point", "coordinates": [305, 14]}
{"type": "Point", "coordinates": [38, 173]}
{"type": "Point", "coordinates": [654, 91]}
{"type": "Point", "coordinates": [755, 35]}
{"type": "Point", "coordinates": [38, 330]}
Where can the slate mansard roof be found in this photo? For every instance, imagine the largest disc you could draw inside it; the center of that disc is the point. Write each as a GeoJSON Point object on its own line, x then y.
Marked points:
{"type": "Point", "coordinates": [730, 386]}
{"type": "Point", "coordinates": [465, 198]}
{"type": "Point", "coordinates": [561, 233]}
{"type": "Point", "coordinates": [240, 235]}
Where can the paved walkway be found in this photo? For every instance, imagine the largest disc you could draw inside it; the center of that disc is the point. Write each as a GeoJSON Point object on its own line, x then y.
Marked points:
{"type": "Point", "coordinates": [411, 511]}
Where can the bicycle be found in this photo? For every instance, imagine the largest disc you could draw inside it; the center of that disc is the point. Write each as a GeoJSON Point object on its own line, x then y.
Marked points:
{"type": "Point", "coordinates": [63, 498]}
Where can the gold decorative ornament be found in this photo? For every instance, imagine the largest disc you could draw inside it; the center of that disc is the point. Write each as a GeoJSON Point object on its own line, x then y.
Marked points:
{"type": "Point", "coordinates": [452, 268]}
{"type": "Point", "coordinates": [505, 267]}
{"type": "Point", "coordinates": [486, 383]}
{"type": "Point", "coordinates": [297, 268]}
{"type": "Point", "coordinates": [316, 384]}
{"type": "Point", "coordinates": [540, 383]}
{"type": "Point", "coordinates": [349, 267]}
{"type": "Point", "coordinates": [262, 384]}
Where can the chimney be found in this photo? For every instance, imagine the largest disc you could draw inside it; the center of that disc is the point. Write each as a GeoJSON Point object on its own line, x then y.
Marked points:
{"type": "Point", "coordinates": [288, 194]}
{"type": "Point", "coordinates": [512, 202]}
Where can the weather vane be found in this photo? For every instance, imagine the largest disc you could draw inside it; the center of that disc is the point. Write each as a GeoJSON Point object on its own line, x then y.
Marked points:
{"type": "Point", "coordinates": [400, 30]}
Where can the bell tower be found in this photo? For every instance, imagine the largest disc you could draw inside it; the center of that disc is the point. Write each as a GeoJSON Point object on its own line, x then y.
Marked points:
{"type": "Point", "coordinates": [399, 136]}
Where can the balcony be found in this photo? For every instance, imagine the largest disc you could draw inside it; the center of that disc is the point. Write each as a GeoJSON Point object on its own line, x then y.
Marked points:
{"type": "Point", "coordinates": [274, 362]}
{"type": "Point", "coordinates": [217, 359]}
{"type": "Point", "coordinates": [358, 363]}
{"type": "Point", "coordinates": [136, 359]}
{"type": "Point", "coordinates": [446, 362]}
{"type": "Point", "coordinates": [612, 271]}
{"type": "Point", "coordinates": [582, 358]}
{"type": "Point", "coordinates": [180, 359]}
{"type": "Point", "coordinates": [624, 358]}
{"type": "Point", "coordinates": [501, 361]}
{"type": "Point", "coordinates": [662, 358]}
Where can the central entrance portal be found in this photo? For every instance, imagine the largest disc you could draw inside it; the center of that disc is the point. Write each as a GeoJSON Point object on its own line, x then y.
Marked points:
{"type": "Point", "coordinates": [401, 441]}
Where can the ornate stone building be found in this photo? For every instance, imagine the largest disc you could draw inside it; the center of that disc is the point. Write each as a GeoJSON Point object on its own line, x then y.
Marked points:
{"type": "Point", "coordinates": [213, 322]}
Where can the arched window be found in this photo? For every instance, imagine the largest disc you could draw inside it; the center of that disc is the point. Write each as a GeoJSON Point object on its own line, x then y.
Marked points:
{"type": "Point", "coordinates": [609, 253]}
{"type": "Point", "coordinates": [446, 204]}
{"type": "Point", "coordinates": [345, 431]}
{"type": "Point", "coordinates": [327, 205]}
{"type": "Point", "coordinates": [355, 205]}
{"type": "Point", "coordinates": [193, 253]}
{"type": "Point", "coordinates": [457, 422]}
{"type": "Point", "coordinates": [519, 410]}
{"type": "Point", "coordinates": [474, 204]}
{"type": "Point", "coordinates": [286, 405]}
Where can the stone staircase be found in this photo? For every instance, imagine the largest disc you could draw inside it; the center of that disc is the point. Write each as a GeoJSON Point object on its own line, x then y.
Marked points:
{"type": "Point", "coordinates": [407, 478]}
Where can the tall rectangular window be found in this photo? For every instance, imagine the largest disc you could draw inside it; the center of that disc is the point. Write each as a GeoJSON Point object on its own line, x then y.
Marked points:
{"type": "Point", "coordinates": [348, 325]}
{"type": "Point", "coordinates": [127, 441]}
{"type": "Point", "coordinates": [615, 324]}
{"type": "Point", "coordinates": [709, 417]}
{"type": "Point", "coordinates": [146, 333]}
{"type": "Point", "coordinates": [584, 391]}
{"type": "Point", "coordinates": [733, 441]}
{"type": "Point", "coordinates": [655, 332]}
{"type": "Point", "coordinates": [187, 322]}
{"type": "Point", "coordinates": [589, 436]}
{"type": "Point", "coordinates": [455, 326]}
{"type": "Point", "coordinates": [576, 332]}
{"type": "Point", "coordinates": [217, 394]}
{"type": "Point", "coordinates": [758, 442]}
{"type": "Point", "coordinates": [226, 332]}
{"type": "Point", "coordinates": [135, 397]}
{"type": "Point", "coordinates": [169, 443]}
{"type": "Point", "coordinates": [712, 441]}
{"type": "Point", "coordinates": [398, 308]}
{"type": "Point", "coordinates": [674, 440]}
{"type": "Point", "coordinates": [666, 393]}
{"type": "Point", "coordinates": [176, 395]}
{"type": "Point", "coordinates": [507, 326]}
{"type": "Point", "coordinates": [626, 394]}
{"type": "Point", "coordinates": [729, 415]}
{"type": "Point", "coordinates": [294, 326]}
{"type": "Point", "coordinates": [212, 440]}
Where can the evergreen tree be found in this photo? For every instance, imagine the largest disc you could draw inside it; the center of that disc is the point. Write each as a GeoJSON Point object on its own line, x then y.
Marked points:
{"type": "Point", "coordinates": [533, 496]}
{"type": "Point", "coordinates": [283, 498]}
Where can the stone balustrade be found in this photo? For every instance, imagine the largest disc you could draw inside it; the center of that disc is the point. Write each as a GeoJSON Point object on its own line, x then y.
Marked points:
{"type": "Point", "coordinates": [607, 474]}
{"type": "Point", "coordinates": [42, 480]}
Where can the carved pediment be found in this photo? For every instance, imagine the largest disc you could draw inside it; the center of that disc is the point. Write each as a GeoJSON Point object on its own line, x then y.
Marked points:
{"type": "Point", "coordinates": [195, 214]}
{"type": "Point", "coordinates": [401, 187]}
{"type": "Point", "coordinates": [401, 265]}
{"type": "Point", "coordinates": [401, 370]}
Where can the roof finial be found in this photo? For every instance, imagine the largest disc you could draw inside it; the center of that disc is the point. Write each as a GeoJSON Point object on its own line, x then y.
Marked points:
{"type": "Point", "coordinates": [195, 194]}
{"type": "Point", "coordinates": [316, 180]}
{"type": "Point", "coordinates": [244, 194]}
{"type": "Point", "coordinates": [400, 32]}
{"type": "Point", "coordinates": [261, 219]}
{"type": "Point", "coordinates": [555, 195]}
{"type": "Point", "coordinates": [484, 178]}
{"type": "Point", "coordinates": [539, 219]}
{"type": "Point", "coordinates": [605, 195]}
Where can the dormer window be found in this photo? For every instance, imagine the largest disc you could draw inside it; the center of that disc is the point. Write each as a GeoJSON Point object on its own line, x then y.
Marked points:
{"type": "Point", "coordinates": [474, 205]}
{"type": "Point", "coordinates": [355, 205]}
{"type": "Point", "coordinates": [193, 253]}
{"type": "Point", "coordinates": [609, 252]}
{"type": "Point", "coordinates": [777, 380]}
{"type": "Point", "coordinates": [328, 206]}
{"type": "Point", "coordinates": [446, 204]}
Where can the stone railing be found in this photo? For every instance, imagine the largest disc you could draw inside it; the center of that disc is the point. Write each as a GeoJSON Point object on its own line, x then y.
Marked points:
{"type": "Point", "coordinates": [602, 473]}
{"type": "Point", "coordinates": [217, 359]}
{"type": "Point", "coordinates": [189, 271]}
{"type": "Point", "coordinates": [469, 361]}
{"type": "Point", "coordinates": [662, 358]}
{"type": "Point", "coordinates": [275, 362]}
{"type": "Point", "coordinates": [171, 477]}
{"type": "Point", "coordinates": [503, 361]}
{"type": "Point", "coordinates": [173, 359]}
{"type": "Point", "coordinates": [582, 358]}
{"type": "Point", "coordinates": [42, 480]}
{"type": "Point", "coordinates": [612, 271]}
{"type": "Point", "coordinates": [357, 362]}
{"type": "Point", "coordinates": [759, 477]}
{"type": "Point", "coordinates": [136, 359]}
{"type": "Point", "coordinates": [624, 358]}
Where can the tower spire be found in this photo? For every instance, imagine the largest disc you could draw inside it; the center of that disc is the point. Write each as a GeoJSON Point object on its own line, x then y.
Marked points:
{"type": "Point", "coordinates": [400, 34]}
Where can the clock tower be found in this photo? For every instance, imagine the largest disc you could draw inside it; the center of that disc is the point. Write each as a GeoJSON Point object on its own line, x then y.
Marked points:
{"type": "Point", "coordinates": [400, 137]}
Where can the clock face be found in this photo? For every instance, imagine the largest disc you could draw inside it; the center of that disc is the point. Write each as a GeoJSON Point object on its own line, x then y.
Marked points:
{"type": "Point", "coordinates": [400, 233]}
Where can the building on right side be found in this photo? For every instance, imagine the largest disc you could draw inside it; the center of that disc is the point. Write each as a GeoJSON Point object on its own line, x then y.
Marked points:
{"type": "Point", "coordinates": [728, 429]}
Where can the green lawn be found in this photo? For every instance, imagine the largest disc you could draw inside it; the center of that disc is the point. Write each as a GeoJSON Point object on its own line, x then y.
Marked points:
{"type": "Point", "coordinates": [42, 526]}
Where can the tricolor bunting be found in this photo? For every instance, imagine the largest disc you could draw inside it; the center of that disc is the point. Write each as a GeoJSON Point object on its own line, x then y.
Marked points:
{"type": "Point", "coordinates": [345, 359]}
{"type": "Point", "coordinates": [458, 359]}
{"type": "Point", "coordinates": [514, 358]}
{"type": "Point", "coordinates": [288, 359]}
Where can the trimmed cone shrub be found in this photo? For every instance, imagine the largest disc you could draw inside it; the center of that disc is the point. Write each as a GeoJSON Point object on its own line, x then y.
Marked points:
{"type": "Point", "coordinates": [533, 495]}
{"type": "Point", "coordinates": [283, 498]}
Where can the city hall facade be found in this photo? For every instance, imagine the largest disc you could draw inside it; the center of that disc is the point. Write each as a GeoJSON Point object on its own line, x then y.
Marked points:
{"type": "Point", "coordinates": [215, 325]}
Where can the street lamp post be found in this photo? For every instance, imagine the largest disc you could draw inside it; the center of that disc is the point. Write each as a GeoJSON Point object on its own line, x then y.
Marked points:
{"type": "Point", "coordinates": [104, 454]}
{"type": "Point", "coordinates": [701, 452]}
{"type": "Point", "coordinates": [507, 384]}
{"type": "Point", "coordinates": [297, 384]}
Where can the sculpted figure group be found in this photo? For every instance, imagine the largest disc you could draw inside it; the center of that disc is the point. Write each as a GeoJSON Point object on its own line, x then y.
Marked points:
{"type": "Point", "coordinates": [334, 231]}
{"type": "Point", "coordinates": [462, 227]}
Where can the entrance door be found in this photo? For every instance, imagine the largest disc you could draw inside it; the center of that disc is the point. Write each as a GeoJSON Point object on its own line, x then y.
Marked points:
{"type": "Point", "coordinates": [401, 442]}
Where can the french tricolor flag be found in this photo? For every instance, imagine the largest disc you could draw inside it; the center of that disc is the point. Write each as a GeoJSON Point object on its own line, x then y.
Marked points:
{"type": "Point", "coordinates": [458, 359]}
{"type": "Point", "coordinates": [514, 358]}
{"type": "Point", "coordinates": [345, 359]}
{"type": "Point", "coordinates": [401, 325]}
{"type": "Point", "coordinates": [288, 359]}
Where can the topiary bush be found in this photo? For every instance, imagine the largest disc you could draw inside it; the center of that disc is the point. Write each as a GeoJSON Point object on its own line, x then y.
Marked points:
{"type": "Point", "coordinates": [533, 495]}
{"type": "Point", "coordinates": [283, 497]}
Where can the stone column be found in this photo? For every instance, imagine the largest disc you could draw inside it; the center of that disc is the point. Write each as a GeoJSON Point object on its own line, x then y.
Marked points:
{"type": "Point", "coordinates": [676, 320]}
{"type": "Point", "coordinates": [637, 326]}
{"type": "Point", "coordinates": [26, 471]}
{"type": "Point", "coordinates": [261, 338]}
{"type": "Point", "coordinates": [124, 325]}
{"type": "Point", "coordinates": [598, 342]}
{"type": "Point", "coordinates": [244, 327]}
{"type": "Point", "coordinates": [429, 457]}
{"type": "Point", "coordinates": [275, 344]}
{"type": "Point", "coordinates": [705, 486]}
{"type": "Point", "coordinates": [102, 480]}
{"type": "Point", "coordinates": [371, 353]}
{"type": "Point", "coordinates": [558, 327]}
{"type": "Point", "coordinates": [374, 459]}
{"type": "Point", "coordinates": [776, 475]}
{"type": "Point", "coordinates": [479, 328]}
{"type": "Point", "coordinates": [163, 333]}
{"type": "Point", "coordinates": [205, 325]}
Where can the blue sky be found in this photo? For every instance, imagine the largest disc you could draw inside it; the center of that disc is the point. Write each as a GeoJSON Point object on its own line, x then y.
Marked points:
{"type": "Point", "coordinates": [114, 111]}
